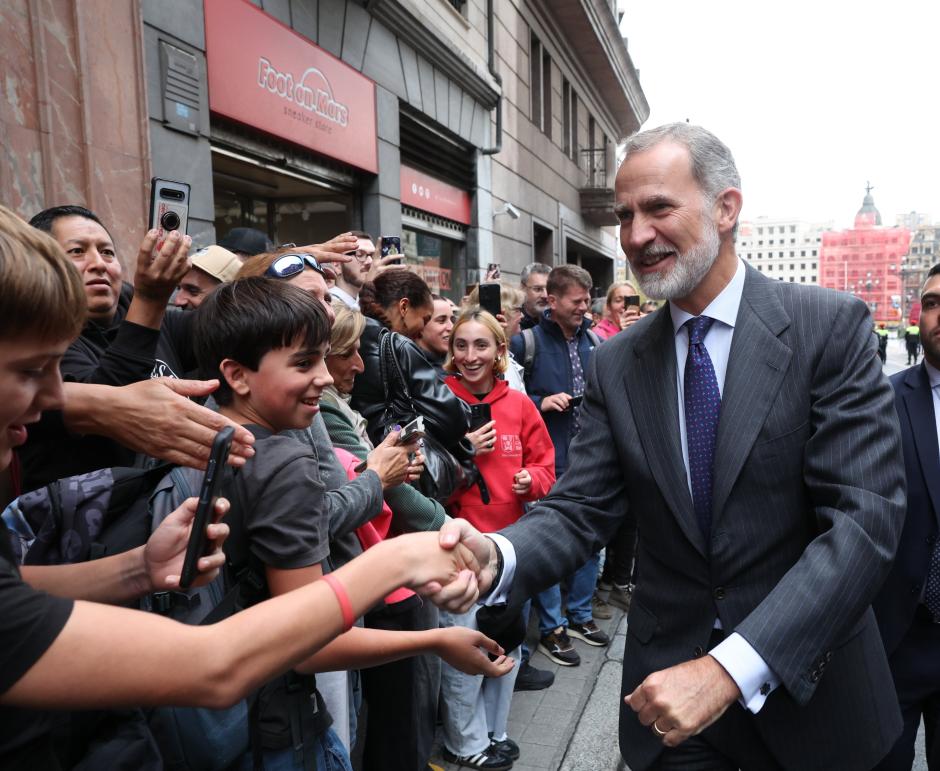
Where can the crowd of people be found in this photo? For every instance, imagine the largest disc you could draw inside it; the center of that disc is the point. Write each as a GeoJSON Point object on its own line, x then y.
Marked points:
{"type": "Point", "coordinates": [408, 477]}
{"type": "Point", "coordinates": [316, 356]}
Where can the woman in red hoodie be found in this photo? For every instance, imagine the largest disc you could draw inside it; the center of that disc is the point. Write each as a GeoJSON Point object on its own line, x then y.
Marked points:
{"type": "Point", "coordinates": [516, 458]}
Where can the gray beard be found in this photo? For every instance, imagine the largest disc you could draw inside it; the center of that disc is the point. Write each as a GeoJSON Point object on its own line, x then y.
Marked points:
{"type": "Point", "coordinates": [688, 270]}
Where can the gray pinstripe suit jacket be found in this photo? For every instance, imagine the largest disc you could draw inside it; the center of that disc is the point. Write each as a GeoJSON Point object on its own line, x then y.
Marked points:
{"type": "Point", "coordinates": [808, 508]}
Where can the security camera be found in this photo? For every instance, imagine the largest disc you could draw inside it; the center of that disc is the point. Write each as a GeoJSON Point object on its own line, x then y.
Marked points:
{"type": "Point", "coordinates": [508, 208]}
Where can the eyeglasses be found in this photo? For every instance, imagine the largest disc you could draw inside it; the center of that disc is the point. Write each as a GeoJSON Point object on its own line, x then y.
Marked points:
{"type": "Point", "coordinates": [289, 265]}
{"type": "Point", "coordinates": [536, 289]}
{"type": "Point", "coordinates": [360, 255]}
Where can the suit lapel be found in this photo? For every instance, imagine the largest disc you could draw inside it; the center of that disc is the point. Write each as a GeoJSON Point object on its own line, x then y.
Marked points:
{"type": "Point", "coordinates": [918, 400]}
{"type": "Point", "coordinates": [651, 384]}
{"type": "Point", "coordinates": [757, 364]}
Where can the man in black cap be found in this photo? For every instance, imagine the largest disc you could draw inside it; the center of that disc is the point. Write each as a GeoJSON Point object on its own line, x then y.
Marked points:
{"type": "Point", "coordinates": [246, 242]}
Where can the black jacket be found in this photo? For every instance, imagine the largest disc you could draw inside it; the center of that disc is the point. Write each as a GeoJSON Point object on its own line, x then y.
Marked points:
{"type": "Point", "coordinates": [446, 417]}
{"type": "Point", "coordinates": [118, 354]}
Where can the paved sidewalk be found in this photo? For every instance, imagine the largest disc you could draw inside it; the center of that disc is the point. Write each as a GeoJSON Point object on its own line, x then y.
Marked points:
{"type": "Point", "coordinates": [571, 726]}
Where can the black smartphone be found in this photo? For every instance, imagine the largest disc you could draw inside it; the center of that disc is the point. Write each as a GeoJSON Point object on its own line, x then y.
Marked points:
{"type": "Point", "coordinates": [575, 401]}
{"type": "Point", "coordinates": [391, 245]}
{"type": "Point", "coordinates": [208, 495]}
{"type": "Point", "coordinates": [489, 299]}
{"type": "Point", "coordinates": [480, 415]}
{"type": "Point", "coordinates": [633, 300]}
{"type": "Point", "coordinates": [169, 205]}
{"type": "Point", "coordinates": [492, 270]}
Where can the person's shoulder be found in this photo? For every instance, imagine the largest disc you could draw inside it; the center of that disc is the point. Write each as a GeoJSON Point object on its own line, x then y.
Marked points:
{"type": "Point", "coordinates": [274, 451]}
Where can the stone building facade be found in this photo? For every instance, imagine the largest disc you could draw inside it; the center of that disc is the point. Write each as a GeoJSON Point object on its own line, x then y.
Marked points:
{"type": "Point", "coordinates": [478, 130]}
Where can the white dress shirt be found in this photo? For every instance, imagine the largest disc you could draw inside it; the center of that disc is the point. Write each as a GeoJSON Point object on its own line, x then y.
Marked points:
{"type": "Point", "coordinates": [745, 666]}
{"type": "Point", "coordinates": [344, 296]}
{"type": "Point", "coordinates": [933, 375]}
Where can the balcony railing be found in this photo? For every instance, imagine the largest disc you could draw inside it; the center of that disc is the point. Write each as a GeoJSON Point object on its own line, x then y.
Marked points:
{"type": "Point", "coordinates": [594, 166]}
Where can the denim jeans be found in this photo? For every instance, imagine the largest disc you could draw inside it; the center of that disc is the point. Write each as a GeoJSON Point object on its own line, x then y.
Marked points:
{"type": "Point", "coordinates": [329, 754]}
{"type": "Point", "coordinates": [580, 591]}
{"type": "Point", "coordinates": [473, 706]}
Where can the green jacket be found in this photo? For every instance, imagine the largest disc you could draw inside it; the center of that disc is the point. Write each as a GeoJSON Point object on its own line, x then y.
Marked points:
{"type": "Point", "coordinates": [411, 511]}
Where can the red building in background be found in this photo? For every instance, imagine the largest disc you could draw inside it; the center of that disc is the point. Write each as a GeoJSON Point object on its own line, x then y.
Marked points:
{"type": "Point", "coordinates": [865, 261]}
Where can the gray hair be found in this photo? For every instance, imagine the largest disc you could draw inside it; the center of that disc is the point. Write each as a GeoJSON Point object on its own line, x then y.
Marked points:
{"type": "Point", "coordinates": [713, 165]}
{"type": "Point", "coordinates": [533, 267]}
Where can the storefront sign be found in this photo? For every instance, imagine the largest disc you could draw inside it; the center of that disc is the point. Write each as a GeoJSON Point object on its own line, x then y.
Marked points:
{"type": "Point", "coordinates": [436, 277]}
{"type": "Point", "coordinates": [266, 75]}
{"type": "Point", "coordinates": [429, 194]}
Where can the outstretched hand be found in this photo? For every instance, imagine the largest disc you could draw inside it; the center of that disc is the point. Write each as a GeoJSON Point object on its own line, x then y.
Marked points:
{"type": "Point", "coordinates": [166, 548]}
{"type": "Point", "coordinates": [155, 417]}
{"type": "Point", "coordinates": [461, 648]}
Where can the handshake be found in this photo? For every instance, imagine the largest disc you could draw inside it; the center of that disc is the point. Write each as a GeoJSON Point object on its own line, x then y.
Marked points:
{"type": "Point", "coordinates": [462, 564]}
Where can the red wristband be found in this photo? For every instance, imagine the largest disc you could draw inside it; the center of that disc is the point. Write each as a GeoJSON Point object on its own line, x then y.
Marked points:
{"type": "Point", "coordinates": [342, 598]}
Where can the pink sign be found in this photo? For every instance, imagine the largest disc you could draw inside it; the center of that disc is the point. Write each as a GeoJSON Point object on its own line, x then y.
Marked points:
{"type": "Point", "coordinates": [265, 75]}
{"type": "Point", "coordinates": [422, 191]}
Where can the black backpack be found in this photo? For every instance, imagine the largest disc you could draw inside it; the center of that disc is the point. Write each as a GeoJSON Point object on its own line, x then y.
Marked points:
{"type": "Point", "coordinates": [83, 517]}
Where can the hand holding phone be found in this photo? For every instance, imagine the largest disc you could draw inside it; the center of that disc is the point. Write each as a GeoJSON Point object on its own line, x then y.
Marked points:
{"type": "Point", "coordinates": [208, 495]}
{"type": "Point", "coordinates": [480, 415]}
{"type": "Point", "coordinates": [391, 247]}
{"type": "Point", "coordinates": [490, 299]}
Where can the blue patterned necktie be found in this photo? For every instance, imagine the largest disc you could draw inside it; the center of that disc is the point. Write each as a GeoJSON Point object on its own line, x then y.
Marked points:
{"type": "Point", "coordinates": [702, 406]}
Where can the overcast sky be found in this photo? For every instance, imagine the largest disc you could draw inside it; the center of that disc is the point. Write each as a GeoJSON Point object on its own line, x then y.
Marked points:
{"type": "Point", "coordinates": [813, 98]}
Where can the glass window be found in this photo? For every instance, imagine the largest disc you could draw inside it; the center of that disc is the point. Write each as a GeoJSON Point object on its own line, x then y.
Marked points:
{"type": "Point", "coordinates": [439, 261]}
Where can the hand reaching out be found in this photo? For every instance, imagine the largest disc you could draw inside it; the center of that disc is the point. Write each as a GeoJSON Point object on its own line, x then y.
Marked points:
{"type": "Point", "coordinates": [155, 417]}
{"type": "Point", "coordinates": [461, 648]}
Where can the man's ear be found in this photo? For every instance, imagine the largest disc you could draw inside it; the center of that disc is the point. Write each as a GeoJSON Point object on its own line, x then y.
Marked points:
{"type": "Point", "coordinates": [728, 205]}
{"type": "Point", "coordinates": [235, 375]}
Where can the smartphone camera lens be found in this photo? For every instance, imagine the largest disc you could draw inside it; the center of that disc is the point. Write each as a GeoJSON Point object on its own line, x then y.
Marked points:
{"type": "Point", "coordinates": [170, 220]}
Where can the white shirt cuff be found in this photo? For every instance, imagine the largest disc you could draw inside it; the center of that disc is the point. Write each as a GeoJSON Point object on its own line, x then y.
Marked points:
{"type": "Point", "coordinates": [499, 594]}
{"type": "Point", "coordinates": [750, 672]}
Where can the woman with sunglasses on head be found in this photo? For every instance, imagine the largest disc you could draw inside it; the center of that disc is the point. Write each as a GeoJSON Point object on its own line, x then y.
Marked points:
{"type": "Point", "coordinates": [516, 457]}
{"type": "Point", "coordinates": [61, 647]}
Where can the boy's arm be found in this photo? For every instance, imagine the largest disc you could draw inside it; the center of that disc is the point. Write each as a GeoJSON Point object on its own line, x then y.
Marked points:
{"type": "Point", "coordinates": [361, 648]}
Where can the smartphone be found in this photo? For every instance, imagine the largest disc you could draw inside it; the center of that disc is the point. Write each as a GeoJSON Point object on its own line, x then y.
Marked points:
{"type": "Point", "coordinates": [413, 430]}
{"type": "Point", "coordinates": [391, 245]}
{"type": "Point", "coordinates": [633, 300]}
{"type": "Point", "coordinates": [169, 205]}
{"type": "Point", "coordinates": [575, 402]}
{"type": "Point", "coordinates": [489, 299]}
{"type": "Point", "coordinates": [208, 495]}
{"type": "Point", "coordinates": [480, 415]}
{"type": "Point", "coordinates": [492, 270]}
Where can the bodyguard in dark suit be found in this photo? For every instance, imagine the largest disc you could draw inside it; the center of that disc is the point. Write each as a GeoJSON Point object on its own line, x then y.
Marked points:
{"type": "Point", "coordinates": [908, 606]}
{"type": "Point", "coordinates": [767, 486]}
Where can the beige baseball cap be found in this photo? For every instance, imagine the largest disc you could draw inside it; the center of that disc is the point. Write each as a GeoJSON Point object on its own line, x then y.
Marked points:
{"type": "Point", "coordinates": [218, 262]}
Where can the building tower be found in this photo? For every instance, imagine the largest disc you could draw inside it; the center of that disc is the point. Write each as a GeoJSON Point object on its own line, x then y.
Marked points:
{"type": "Point", "coordinates": [865, 261]}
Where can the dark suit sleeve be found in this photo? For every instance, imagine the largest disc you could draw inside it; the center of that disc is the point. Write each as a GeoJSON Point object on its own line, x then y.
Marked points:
{"type": "Point", "coordinates": [854, 492]}
{"type": "Point", "coordinates": [583, 510]}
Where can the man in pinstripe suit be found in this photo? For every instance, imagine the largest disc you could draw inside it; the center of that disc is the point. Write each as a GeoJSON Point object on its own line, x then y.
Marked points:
{"type": "Point", "coordinates": [767, 485]}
